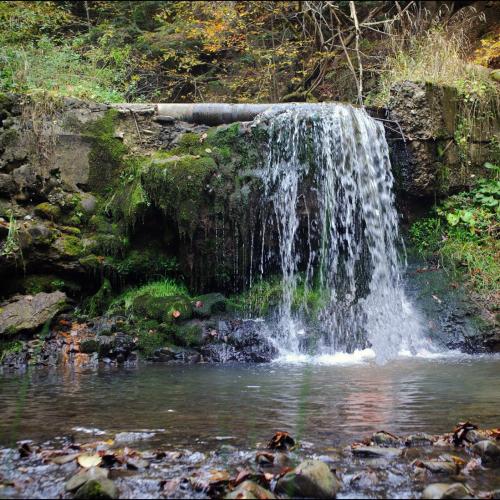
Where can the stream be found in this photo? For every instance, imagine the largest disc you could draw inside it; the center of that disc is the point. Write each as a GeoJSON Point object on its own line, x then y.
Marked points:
{"type": "Point", "coordinates": [335, 401]}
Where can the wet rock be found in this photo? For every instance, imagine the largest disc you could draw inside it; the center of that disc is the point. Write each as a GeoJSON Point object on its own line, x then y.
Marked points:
{"type": "Point", "coordinates": [419, 439]}
{"type": "Point", "coordinates": [28, 312]}
{"type": "Point", "coordinates": [88, 346]}
{"type": "Point", "coordinates": [387, 439]}
{"type": "Point", "coordinates": [441, 490]}
{"type": "Point", "coordinates": [97, 489]}
{"type": "Point", "coordinates": [249, 489]}
{"type": "Point", "coordinates": [488, 450]}
{"type": "Point", "coordinates": [248, 340]}
{"type": "Point", "coordinates": [438, 466]}
{"type": "Point", "coordinates": [311, 478]}
{"type": "Point", "coordinates": [376, 452]}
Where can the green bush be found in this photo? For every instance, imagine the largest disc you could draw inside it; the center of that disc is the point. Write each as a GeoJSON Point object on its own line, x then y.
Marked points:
{"type": "Point", "coordinates": [464, 233]}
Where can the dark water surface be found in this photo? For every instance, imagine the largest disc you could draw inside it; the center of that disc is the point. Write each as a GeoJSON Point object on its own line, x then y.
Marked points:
{"type": "Point", "coordinates": [201, 405]}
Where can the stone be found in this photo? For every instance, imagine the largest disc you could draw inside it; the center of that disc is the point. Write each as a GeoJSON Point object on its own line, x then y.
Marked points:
{"type": "Point", "coordinates": [40, 234]}
{"type": "Point", "coordinates": [376, 452]}
{"type": "Point", "coordinates": [383, 438]}
{"type": "Point", "coordinates": [488, 450]}
{"type": "Point", "coordinates": [442, 490]}
{"type": "Point", "coordinates": [92, 473]}
{"type": "Point", "coordinates": [88, 203]}
{"type": "Point", "coordinates": [438, 466]}
{"type": "Point", "coordinates": [250, 489]}
{"type": "Point", "coordinates": [97, 489]}
{"type": "Point", "coordinates": [311, 478]}
{"type": "Point", "coordinates": [48, 211]}
{"type": "Point", "coordinates": [419, 439]}
{"type": "Point", "coordinates": [7, 185]}
{"type": "Point", "coordinates": [28, 312]}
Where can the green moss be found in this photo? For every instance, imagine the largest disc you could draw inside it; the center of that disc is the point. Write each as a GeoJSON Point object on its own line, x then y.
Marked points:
{"type": "Point", "coordinates": [101, 300]}
{"type": "Point", "coordinates": [42, 283]}
{"type": "Point", "coordinates": [143, 264]}
{"type": "Point", "coordinates": [164, 309]}
{"type": "Point", "coordinates": [190, 335]}
{"type": "Point", "coordinates": [206, 305]}
{"type": "Point", "coordinates": [157, 289]}
{"type": "Point", "coordinates": [71, 230]}
{"type": "Point", "coordinates": [109, 244]}
{"type": "Point", "coordinates": [91, 262]}
{"type": "Point", "coordinates": [178, 186]}
{"type": "Point", "coordinates": [48, 211]}
{"type": "Point", "coordinates": [107, 151]}
{"type": "Point", "coordinates": [10, 347]}
{"type": "Point", "coordinates": [70, 246]}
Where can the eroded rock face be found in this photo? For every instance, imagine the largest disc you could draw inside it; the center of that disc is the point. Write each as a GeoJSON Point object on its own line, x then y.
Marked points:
{"type": "Point", "coordinates": [29, 312]}
{"type": "Point", "coordinates": [428, 161]}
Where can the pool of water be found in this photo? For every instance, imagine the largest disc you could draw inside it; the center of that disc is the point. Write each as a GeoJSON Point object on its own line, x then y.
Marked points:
{"type": "Point", "coordinates": [201, 406]}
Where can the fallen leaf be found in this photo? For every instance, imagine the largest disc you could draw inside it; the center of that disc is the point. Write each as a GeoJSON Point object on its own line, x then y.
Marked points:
{"type": "Point", "coordinates": [460, 432]}
{"type": "Point", "coordinates": [87, 461]}
{"type": "Point", "coordinates": [281, 441]}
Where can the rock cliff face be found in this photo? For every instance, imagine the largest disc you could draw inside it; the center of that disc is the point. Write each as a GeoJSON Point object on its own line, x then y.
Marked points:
{"type": "Point", "coordinates": [437, 147]}
{"type": "Point", "coordinates": [89, 191]}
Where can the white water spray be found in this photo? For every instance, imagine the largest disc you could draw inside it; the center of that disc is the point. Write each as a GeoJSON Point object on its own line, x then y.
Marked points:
{"type": "Point", "coordinates": [328, 181]}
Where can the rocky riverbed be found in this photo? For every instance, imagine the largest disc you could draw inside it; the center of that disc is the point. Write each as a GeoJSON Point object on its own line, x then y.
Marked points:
{"type": "Point", "coordinates": [464, 463]}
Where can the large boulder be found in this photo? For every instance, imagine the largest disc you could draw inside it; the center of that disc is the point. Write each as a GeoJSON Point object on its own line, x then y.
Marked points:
{"type": "Point", "coordinates": [312, 479]}
{"type": "Point", "coordinates": [29, 312]}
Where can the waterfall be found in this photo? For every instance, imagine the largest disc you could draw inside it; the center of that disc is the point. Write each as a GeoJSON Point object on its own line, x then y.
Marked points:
{"type": "Point", "coordinates": [328, 194]}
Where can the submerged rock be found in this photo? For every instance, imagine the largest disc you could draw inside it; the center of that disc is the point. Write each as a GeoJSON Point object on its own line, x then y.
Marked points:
{"type": "Point", "coordinates": [376, 452]}
{"type": "Point", "coordinates": [249, 489]}
{"type": "Point", "coordinates": [28, 312]}
{"type": "Point", "coordinates": [441, 490]}
{"type": "Point", "coordinates": [311, 478]}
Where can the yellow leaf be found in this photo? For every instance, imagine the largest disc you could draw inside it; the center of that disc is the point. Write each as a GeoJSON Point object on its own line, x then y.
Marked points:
{"type": "Point", "coordinates": [87, 461]}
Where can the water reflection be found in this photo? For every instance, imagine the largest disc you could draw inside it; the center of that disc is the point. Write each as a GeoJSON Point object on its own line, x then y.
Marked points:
{"type": "Point", "coordinates": [197, 405]}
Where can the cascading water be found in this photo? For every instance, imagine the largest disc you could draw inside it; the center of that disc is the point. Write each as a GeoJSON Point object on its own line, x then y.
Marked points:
{"type": "Point", "coordinates": [328, 189]}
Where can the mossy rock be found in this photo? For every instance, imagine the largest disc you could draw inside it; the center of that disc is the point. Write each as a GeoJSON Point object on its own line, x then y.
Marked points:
{"type": "Point", "coordinates": [36, 283]}
{"type": "Point", "coordinates": [97, 489]}
{"type": "Point", "coordinates": [91, 262]}
{"type": "Point", "coordinates": [100, 301]}
{"type": "Point", "coordinates": [190, 334]}
{"type": "Point", "coordinates": [48, 211]}
{"type": "Point", "coordinates": [89, 346]}
{"type": "Point", "coordinates": [107, 151]}
{"type": "Point", "coordinates": [206, 305]}
{"type": "Point", "coordinates": [69, 246]}
{"type": "Point", "coordinates": [71, 230]}
{"type": "Point", "coordinates": [163, 309]}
